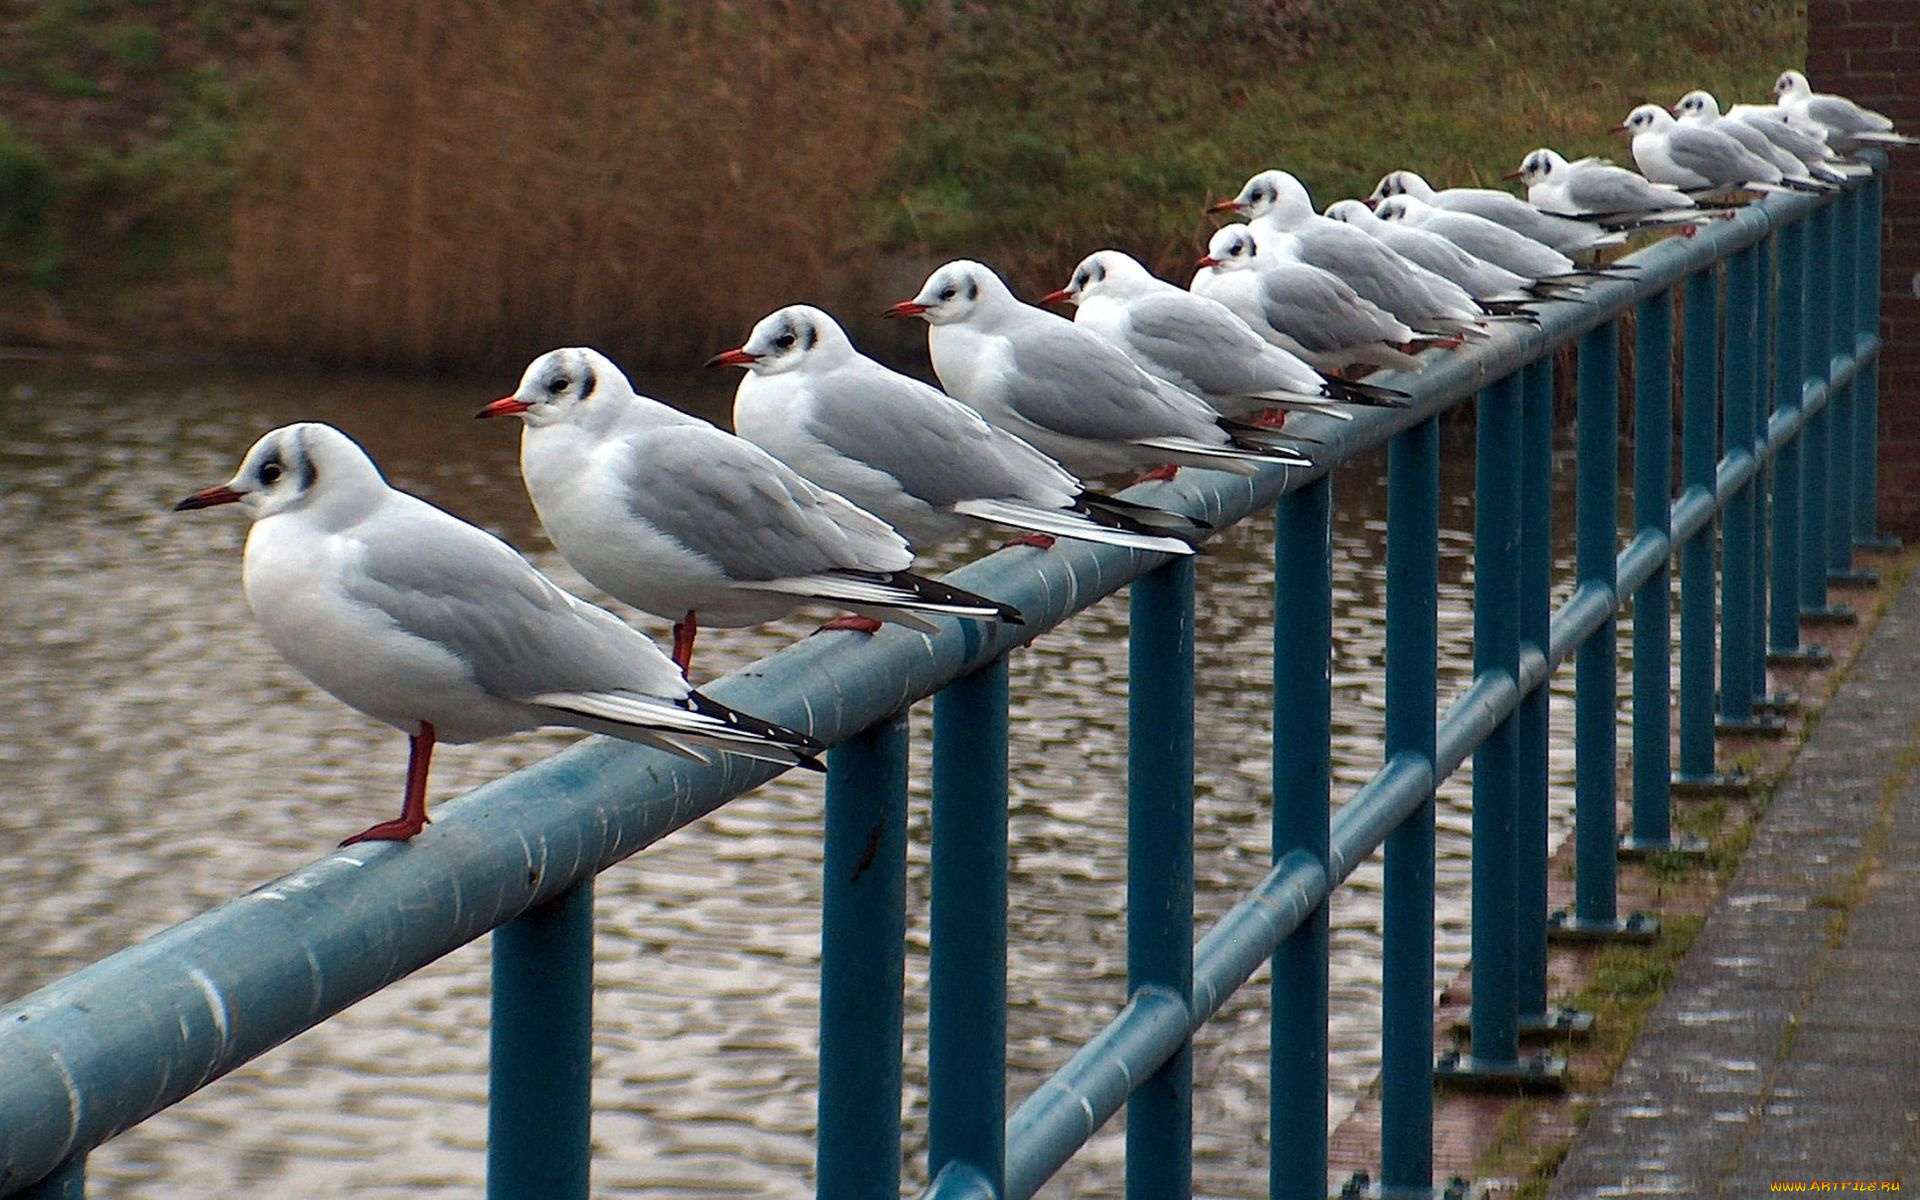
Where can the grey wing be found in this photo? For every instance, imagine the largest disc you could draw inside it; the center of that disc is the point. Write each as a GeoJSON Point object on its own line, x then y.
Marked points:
{"type": "Point", "coordinates": [450, 583]}
{"type": "Point", "coordinates": [1716, 157]}
{"type": "Point", "coordinates": [746, 511]}
{"type": "Point", "coordinates": [1844, 116]}
{"type": "Point", "coordinates": [1074, 382]}
{"type": "Point", "coordinates": [1321, 312]}
{"type": "Point", "coordinates": [1205, 346]}
{"type": "Point", "coordinates": [1605, 193]}
{"type": "Point", "coordinates": [940, 450]}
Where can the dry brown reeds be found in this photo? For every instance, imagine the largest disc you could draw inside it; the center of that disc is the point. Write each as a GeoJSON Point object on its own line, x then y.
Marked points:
{"type": "Point", "coordinates": [469, 182]}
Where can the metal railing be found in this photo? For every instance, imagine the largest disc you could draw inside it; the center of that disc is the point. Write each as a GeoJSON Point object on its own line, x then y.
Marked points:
{"type": "Point", "coordinates": [1779, 476]}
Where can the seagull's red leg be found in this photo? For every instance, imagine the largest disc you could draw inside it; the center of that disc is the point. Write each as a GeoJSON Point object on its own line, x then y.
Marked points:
{"type": "Point", "coordinates": [684, 631]}
{"type": "Point", "coordinates": [1039, 541]}
{"type": "Point", "coordinates": [855, 623]}
{"type": "Point", "coordinates": [1159, 473]}
{"type": "Point", "coordinates": [413, 813]}
{"type": "Point", "coordinates": [1272, 417]}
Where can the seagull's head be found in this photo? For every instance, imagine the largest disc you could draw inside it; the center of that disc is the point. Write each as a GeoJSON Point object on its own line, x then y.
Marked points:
{"type": "Point", "coordinates": [790, 339]}
{"type": "Point", "coordinates": [1697, 104]}
{"type": "Point", "coordinates": [292, 467]}
{"type": "Point", "coordinates": [1645, 119]}
{"type": "Point", "coordinates": [1231, 248]}
{"type": "Point", "coordinates": [1540, 166]}
{"type": "Point", "coordinates": [1270, 192]}
{"type": "Point", "coordinates": [1398, 208]}
{"type": "Point", "coordinates": [1402, 183]}
{"type": "Point", "coordinates": [569, 384]}
{"type": "Point", "coordinates": [1353, 212]}
{"type": "Point", "coordinates": [955, 292]}
{"type": "Point", "coordinates": [1791, 83]}
{"type": "Point", "coordinates": [1102, 273]}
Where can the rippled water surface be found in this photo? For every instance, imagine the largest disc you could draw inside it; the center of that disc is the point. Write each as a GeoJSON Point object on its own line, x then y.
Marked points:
{"type": "Point", "coordinates": [159, 758]}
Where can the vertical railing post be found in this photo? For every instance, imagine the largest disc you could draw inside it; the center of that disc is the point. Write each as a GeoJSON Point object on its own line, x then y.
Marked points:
{"type": "Point", "coordinates": [1160, 864]}
{"type": "Point", "coordinates": [1758, 491]}
{"type": "Point", "coordinates": [1406, 973]}
{"type": "Point", "coordinates": [1844, 323]}
{"type": "Point", "coordinates": [1739, 580]}
{"type": "Point", "coordinates": [967, 967]}
{"type": "Point", "coordinates": [1596, 662]}
{"type": "Point", "coordinates": [1532, 731]}
{"type": "Point", "coordinates": [863, 964]}
{"type": "Point", "coordinates": [1302, 778]}
{"type": "Point", "coordinates": [540, 1076]}
{"type": "Point", "coordinates": [1866, 506]}
{"type": "Point", "coordinates": [1698, 463]}
{"type": "Point", "coordinates": [1817, 455]}
{"type": "Point", "coordinates": [1653, 601]}
{"type": "Point", "coordinates": [1789, 464]}
{"type": "Point", "coordinates": [1494, 1016]}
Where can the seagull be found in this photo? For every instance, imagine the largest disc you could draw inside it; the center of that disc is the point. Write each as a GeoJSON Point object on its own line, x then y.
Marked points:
{"type": "Point", "coordinates": [1199, 345]}
{"type": "Point", "coordinates": [1491, 241]}
{"type": "Point", "coordinates": [1281, 212]}
{"type": "Point", "coordinates": [1564, 234]}
{"type": "Point", "coordinates": [1301, 309]}
{"type": "Point", "coordinates": [442, 630]}
{"type": "Point", "coordinates": [906, 451]}
{"type": "Point", "coordinates": [1846, 123]}
{"type": "Point", "coordinates": [686, 521]}
{"type": "Point", "coordinates": [1594, 189]}
{"type": "Point", "coordinates": [1067, 390]}
{"type": "Point", "coordinates": [1700, 110]}
{"type": "Point", "coordinates": [1480, 279]}
{"type": "Point", "coordinates": [1770, 122]}
{"type": "Point", "coordinates": [1697, 160]}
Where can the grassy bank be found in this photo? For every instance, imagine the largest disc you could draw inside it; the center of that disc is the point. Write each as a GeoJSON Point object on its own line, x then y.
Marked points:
{"type": "Point", "coordinates": [464, 183]}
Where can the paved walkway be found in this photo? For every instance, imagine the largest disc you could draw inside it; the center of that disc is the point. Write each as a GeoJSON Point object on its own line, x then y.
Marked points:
{"type": "Point", "coordinates": [1788, 1048]}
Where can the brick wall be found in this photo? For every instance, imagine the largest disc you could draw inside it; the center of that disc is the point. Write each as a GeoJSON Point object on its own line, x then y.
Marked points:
{"type": "Point", "coordinates": [1869, 50]}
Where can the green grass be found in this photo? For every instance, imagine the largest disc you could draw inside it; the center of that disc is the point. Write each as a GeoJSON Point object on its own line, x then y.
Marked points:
{"type": "Point", "coordinates": [1051, 130]}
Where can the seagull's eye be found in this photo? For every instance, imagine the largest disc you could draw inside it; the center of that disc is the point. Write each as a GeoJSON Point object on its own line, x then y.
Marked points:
{"type": "Point", "coordinates": [948, 293]}
{"type": "Point", "coordinates": [784, 341]}
{"type": "Point", "coordinates": [558, 384]}
{"type": "Point", "coordinates": [270, 473]}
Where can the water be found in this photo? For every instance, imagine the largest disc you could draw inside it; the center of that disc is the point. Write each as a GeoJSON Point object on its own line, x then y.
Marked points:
{"type": "Point", "coordinates": [160, 759]}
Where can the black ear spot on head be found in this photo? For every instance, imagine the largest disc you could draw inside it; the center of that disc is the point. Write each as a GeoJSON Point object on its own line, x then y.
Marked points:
{"type": "Point", "coordinates": [588, 381]}
{"type": "Point", "coordinates": [808, 335]}
{"type": "Point", "coordinates": [973, 290]}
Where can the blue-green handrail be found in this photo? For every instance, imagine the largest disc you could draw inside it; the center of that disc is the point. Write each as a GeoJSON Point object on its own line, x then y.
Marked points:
{"type": "Point", "coordinates": [92, 1054]}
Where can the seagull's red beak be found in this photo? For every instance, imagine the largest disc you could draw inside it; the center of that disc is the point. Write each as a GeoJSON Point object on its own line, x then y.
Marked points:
{"type": "Point", "coordinates": [1207, 260]}
{"type": "Point", "coordinates": [1620, 128]}
{"type": "Point", "coordinates": [1057, 296]}
{"type": "Point", "coordinates": [1513, 174]}
{"type": "Point", "coordinates": [1226, 206]}
{"type": "Point", "coordinates": [1371, 202]}
{"type": "Point", "coordinates": [906, 308]}
{"type": "Point", "coordinates": [506, 406]}
{"type": "Point", "coordinates": [207, 498]}
{"type": "Point", "coordinates": [733, 358]}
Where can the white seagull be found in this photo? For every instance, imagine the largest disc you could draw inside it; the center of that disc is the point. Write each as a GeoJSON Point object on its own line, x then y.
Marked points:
{"type": "Point", "coordinates": [1067, 390]}
{"type": "Point", "coordinates": [906, 451]}
{"type": "Point", "coordinates": [1200, 345]}
{"type": "Point", "coordinates": [1698, 160]}
{"type": "Point", "coordinates": [440, 629]}
{"type": "Point", "coordinates": [1479, 278]}
{"type": "Point", "coordinates": [1301, 309]}
{"type": "Point", "coordinates": [686, 521]}
{"type": "Point", "coordinates": [1490, 240]}
{"type": "Point", "coordinates": [1594, 189]}
{"type": "Point", "coordinates": [1847, 124]}
{"type": "Point", "coordinates": [1564, 234]}
{"type": "Point", "coordinates": [1798, 154]}
{"type": "Point", "coordinates": [1281, 213]}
